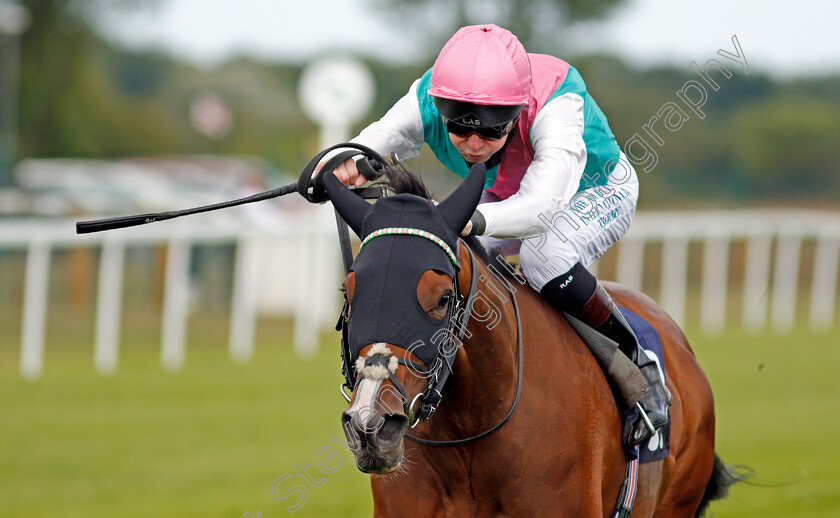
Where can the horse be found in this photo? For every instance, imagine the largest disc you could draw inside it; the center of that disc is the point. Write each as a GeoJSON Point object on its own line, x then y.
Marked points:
{"type": "Point", "coordinates": [526, 423]}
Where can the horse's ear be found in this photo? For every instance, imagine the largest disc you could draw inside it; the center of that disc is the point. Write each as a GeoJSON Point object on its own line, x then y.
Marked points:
{"type": "Point", "coordinates": [352, 208]}
{"type": "Point", "coordinates": [459, 206]}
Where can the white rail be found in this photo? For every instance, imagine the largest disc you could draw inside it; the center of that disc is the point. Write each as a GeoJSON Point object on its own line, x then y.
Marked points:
{"type": "Point", "coordinates": [771, 280]}
{"type": "Point", "coordinates": [760, 230]}
{"type": "Point", "coordinates": [309, 241]}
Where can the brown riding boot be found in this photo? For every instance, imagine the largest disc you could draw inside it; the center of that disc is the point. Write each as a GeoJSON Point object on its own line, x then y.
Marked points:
{"type": "Point", "coordinates": [601, 313]}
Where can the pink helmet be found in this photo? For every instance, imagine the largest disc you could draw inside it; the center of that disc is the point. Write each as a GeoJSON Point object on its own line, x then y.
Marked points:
{"type": "Point", "coordinates": [482, 64]}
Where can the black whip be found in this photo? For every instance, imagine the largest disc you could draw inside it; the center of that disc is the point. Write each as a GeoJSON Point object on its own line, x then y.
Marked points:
{"type": "Point", "coordinates": [310, 188]}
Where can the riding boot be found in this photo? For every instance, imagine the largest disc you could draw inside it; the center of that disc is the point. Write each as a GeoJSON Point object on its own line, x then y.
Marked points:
{"type": "Point", "coordinates": [578, 293]}
{"type": "Point", "coordinates": [656, 398]}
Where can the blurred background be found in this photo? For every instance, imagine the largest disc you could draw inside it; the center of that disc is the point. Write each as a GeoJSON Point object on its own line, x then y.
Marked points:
{"type": "Point", "coordinates": [188, 368]}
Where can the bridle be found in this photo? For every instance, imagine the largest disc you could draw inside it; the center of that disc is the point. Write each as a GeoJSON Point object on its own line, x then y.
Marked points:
{"type": "Point", "coordinates": [458, 316]}
{"type": "Point", "coordinates": [312, 188]}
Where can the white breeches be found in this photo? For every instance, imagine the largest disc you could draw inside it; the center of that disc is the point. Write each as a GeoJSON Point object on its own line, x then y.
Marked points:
{"type": "Point", "coordinates": [581, 232]}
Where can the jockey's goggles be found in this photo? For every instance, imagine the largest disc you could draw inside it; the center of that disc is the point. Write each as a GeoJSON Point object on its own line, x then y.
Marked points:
{"type": "Point", "coordinates": [488, 132]}
{"type": "Point", "coordinates": [490, 121]}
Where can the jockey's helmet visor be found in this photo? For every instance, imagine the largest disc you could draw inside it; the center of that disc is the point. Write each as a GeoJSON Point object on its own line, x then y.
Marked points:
{"type": "Point", "coordinates": [487, 132]}
{"type": "Point", "coordinates": [489, 121]}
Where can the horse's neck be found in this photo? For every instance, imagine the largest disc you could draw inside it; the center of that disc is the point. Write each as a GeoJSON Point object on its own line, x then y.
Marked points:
{"type": "Point", "coordinates": [484, 373]}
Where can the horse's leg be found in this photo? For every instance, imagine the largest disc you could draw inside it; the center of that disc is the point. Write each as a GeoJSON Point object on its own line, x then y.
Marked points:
{"type": "Point", "coordinates": [686, 488]}
{"type": "Point", "coordinates": [653, 478]}
{"type": "Point", "coordinates": [557, 479]}
{"type": "Point", "coordinates": [693, 455]}
{"type": "Point", "coordinates": [690, 471]}
{"type": "Point", "coordinates": [686, 471]}
{"type": "Point", "coordinates": [575, 470]}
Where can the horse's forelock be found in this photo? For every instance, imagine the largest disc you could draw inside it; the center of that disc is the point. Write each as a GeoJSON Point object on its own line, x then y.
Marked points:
{"type": "Point", "coordinates": [399, 180]}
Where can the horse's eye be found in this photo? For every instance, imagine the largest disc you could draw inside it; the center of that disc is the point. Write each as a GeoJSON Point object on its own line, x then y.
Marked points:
{"type": "Point", "coordinates": [444, 300]}
{"type": "Point", "coordinates": [348, 287]}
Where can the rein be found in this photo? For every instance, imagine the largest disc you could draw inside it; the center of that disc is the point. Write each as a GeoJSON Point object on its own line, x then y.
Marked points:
{"type": "Point", "coordinates": [432, 394]}
{"type": "Point", "coordinates": [473, 283]}
{"type": "Point", "coordinates": [441, 367]}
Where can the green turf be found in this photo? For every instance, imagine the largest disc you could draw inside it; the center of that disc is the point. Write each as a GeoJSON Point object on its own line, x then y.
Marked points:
{"type": "Point", "coordinates": [210, 440]}
{"type": "Point", "coordinates": [777, 401]}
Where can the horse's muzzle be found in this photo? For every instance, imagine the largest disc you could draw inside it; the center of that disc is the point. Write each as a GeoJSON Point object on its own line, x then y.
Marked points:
{"type": "Point", "coordinates": [376, 440]}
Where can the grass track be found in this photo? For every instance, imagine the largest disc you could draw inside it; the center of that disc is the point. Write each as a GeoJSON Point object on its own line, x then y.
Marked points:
{"type": "Point", "coordinates": [777, 401]}
{"type": "Point", "coordinates": [210, 440]}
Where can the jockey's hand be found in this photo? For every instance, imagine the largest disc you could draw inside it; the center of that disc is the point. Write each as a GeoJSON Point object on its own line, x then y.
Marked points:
{"type": "Point", "coordinates": [467, 229]}
{"type": "Point", "coordinates": [346, 172]}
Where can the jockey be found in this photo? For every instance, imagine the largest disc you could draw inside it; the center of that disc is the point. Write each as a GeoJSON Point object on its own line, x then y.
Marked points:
{"type": "Point", "coordinates": [557, 181]}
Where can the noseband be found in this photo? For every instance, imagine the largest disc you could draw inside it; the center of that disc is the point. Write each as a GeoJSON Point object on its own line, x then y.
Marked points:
{"type": "Point", "coordinates": [441, 367]}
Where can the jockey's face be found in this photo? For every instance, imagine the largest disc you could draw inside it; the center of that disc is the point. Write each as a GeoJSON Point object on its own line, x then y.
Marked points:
{"type": "Point", "coordinates": [475, 148]}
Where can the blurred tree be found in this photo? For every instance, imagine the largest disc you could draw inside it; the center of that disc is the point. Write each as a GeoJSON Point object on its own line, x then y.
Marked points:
{"type": "Point", "coordinates": [83, 97]}
{"type": "Point", "coordinates": [538, 24]}
{"type": "Point", "coordinates": [14, 19]}
{"type": "Point", "coordinates": [62, 85]}
{"type": "Point", "coordinates": [787, 147]}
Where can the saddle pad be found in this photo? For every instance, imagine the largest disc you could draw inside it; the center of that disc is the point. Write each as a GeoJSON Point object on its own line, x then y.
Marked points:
{"type": "Point", "coordinates": [659, 445]}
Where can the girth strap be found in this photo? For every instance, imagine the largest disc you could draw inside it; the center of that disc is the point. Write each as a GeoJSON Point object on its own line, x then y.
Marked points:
{"type": "Point", "coordinates": [627, 493]}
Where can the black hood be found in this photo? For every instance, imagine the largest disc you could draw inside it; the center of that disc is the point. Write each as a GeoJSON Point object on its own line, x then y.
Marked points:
{"type": "Point", "coordinates": [403, 236]}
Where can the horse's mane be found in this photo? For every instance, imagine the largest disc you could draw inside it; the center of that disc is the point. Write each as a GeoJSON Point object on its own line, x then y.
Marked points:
{"type": "Point", "coordinates": [399, 180]}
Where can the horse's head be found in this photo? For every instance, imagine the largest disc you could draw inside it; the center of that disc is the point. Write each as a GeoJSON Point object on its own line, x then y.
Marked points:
{"type": "Point", "coordinates": [402, 305]}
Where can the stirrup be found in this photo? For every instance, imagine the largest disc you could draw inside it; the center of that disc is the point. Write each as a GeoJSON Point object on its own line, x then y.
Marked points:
{"type": "Point", "coordinates": [646, 420]}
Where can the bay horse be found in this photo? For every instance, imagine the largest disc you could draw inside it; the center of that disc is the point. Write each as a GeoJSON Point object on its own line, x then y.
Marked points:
{"type": "Point", "coordinates": [528, 421]}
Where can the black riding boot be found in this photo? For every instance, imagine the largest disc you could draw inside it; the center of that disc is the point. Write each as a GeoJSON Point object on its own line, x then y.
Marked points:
{"type": "Point", "coordinates": [600, 312]}
{"type": "Point", "coordinates": [656, 398]}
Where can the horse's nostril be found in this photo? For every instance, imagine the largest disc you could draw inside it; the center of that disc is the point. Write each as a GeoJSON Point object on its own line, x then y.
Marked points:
{"type": "Point", "coordinates": [392, 430]}
{"type": "Point", "coordinates": [353, 429]}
